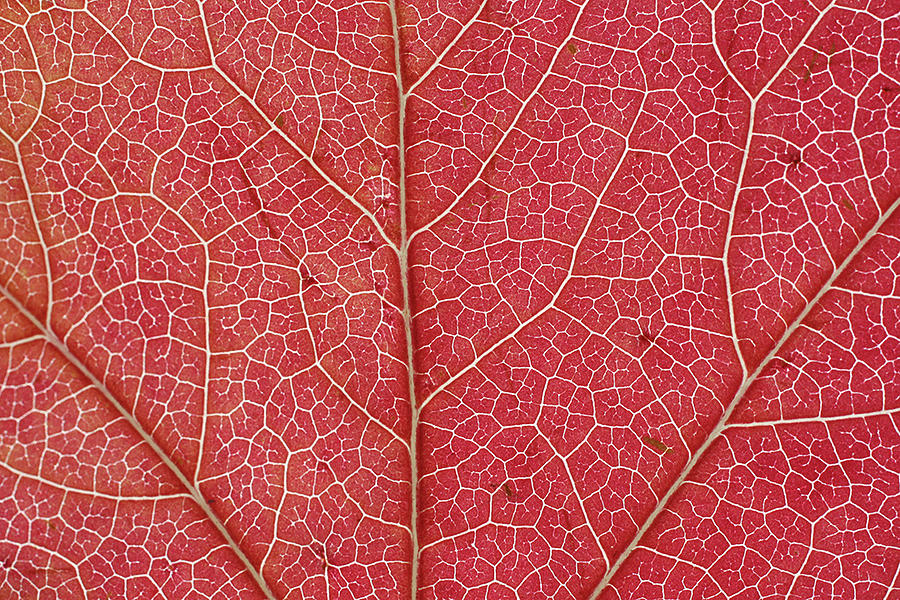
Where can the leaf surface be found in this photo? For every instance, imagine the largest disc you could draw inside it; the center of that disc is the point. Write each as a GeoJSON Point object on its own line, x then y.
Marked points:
{"type": "Point", "coordinates": [501, 299]}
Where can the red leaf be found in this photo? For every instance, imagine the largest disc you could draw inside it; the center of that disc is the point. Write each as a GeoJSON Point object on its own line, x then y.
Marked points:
{"type": "Point", "coordinates": [515, 299]}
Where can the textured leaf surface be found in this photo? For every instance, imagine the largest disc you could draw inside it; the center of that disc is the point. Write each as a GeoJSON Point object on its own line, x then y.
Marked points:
{"type": "Point", "coordinates": [501, 299]}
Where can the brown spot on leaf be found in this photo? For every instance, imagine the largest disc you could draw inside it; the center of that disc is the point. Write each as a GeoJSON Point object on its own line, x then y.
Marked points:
{"type": "Point", "coordinates": [657, 445]}
{"type": "Point", "coordinates": [810, 68]}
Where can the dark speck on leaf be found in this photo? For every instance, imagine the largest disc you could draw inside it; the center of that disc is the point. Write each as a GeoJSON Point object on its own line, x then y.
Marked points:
{"type": "Point", "coordinates": [572, 48]}
{"type": "Point", "coordinates": [657, 445]}
{"type": "Point", "coordinates": [279, 121]}
{"type": "Point", "coordinates": [811, 67]}
{"type": "Point", "coordinates": [308, 279]}
{"type": "Point", "coordinates": [371, 243]}
{"type": "Point", "coordinates": [792, 157]}
{"type": "Point", "coordinates": [507, 490]}
{"type": "Point", "coordinates": [646, 336]}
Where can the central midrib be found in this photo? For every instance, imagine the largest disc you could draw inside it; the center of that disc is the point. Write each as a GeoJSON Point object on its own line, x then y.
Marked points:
{"type": "Point", "coordinates": [407, 307]}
